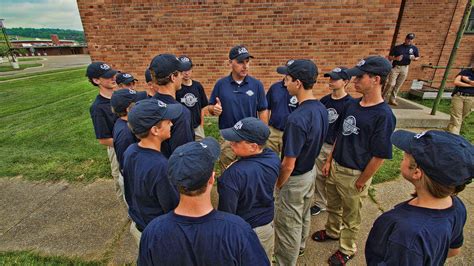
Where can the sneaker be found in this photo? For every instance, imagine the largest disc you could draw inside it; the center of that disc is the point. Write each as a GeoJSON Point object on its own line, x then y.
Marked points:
{"type": "Point", "coordinates": [321, 236]}
{"type": "Point", "coordinates": [315, 210]}
{"type": "Point", "coordinates": [339, 258]}
{"type": "Point", "coordinates": [301, 253]}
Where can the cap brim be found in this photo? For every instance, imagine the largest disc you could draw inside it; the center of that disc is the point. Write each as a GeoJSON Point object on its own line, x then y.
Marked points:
{"type": "Point", "coordinates": [402, 139]}
{"type": "Point", "coordinates": [282, 70]}
{"type": "Point", "coordinates": [230, 134]}
{"type": "Point", "coordinates": [187, 66]}
{"type": "Point", "coordinates": [172, 111]}
{"type": "Point", "coordinates": [333, 75]}
{"type": "Point", "coordinates": [110, 73]}
{"type": "Point", "coordinates": [129, 80]}
{"type": "Point", "coordinates": [213, 146]}
{"type": "Point", "coordinates": [352, 72]}
{"type": "Point", "coordinates": [242, 57]}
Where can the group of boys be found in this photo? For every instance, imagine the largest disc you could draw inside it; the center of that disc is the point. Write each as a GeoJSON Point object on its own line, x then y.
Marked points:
{"type": "Point", "coordinates": [329, 149]}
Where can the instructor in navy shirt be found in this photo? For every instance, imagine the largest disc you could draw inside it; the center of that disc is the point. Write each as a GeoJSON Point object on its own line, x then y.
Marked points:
{"type": "Point", "coordinates": [237, 96]}
{"type": "Point", "coordinates": [194, 233]}
{"type": "Point", "coordinates": [304, 135]}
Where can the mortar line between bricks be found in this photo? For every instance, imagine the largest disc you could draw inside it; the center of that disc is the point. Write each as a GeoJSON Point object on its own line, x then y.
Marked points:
{"type": "Point", "coordinates": [38, 206]}
{"type": "Point", "coordinates": [108, 253]}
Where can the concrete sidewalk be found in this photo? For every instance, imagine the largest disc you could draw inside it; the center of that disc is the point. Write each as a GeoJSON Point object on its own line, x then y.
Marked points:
{"type": "Point", "coordinates": [86, 221]}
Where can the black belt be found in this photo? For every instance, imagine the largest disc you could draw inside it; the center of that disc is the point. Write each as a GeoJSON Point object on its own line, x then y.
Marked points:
{"type": "Point", "coordinates": [464, 94]}
{"type": "Point", "coordinates": [139, 228]}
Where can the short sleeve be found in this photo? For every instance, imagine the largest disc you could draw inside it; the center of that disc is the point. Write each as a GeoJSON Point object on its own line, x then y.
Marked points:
{"type": "Point", "coordinates": [262, 100]}
{"type": "Point", "coordinates": [214, 94]}
{"type": "Point", "coordinates": [100, 122]}
{"type": "Point", "coordinates": [380, 142]}
{"type": "Point", "coordinates": [294, 139]}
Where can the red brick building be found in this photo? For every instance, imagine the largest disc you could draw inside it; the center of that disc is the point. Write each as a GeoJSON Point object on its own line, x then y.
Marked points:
{"type": "Point", "coordinates": [127, 34]}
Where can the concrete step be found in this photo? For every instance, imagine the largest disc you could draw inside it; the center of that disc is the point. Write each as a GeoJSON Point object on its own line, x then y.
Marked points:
{"type": "Point", "coordinates": [413, 115]}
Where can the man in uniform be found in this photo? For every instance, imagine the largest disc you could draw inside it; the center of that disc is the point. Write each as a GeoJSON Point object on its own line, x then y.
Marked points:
{"type": "Point", "coordinates": [462, 100]}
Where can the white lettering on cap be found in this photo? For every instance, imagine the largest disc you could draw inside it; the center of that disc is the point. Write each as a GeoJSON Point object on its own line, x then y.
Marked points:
{"type": "Point", "coordinates": [361, 63]}
{"type": "Point", "coordinates": [126, 75]}
{"type": "Point", "coordinates": [203, 145]}
{"type": "Point", "coordinates": [290, 62]}
{"type": "Point", "coordinates": [336, 70]}
{"type": "Point", "coordinates": [184, 59]}
{"type": "Point", "coordinates": [243, 50]}
{"type": "Point", "coordinates": [419, 135]}
{"type": "Point", "coordinates": [104, 66]}
{"type": "Point", "coordinates": [161, 104]}
{"type": "Point", "coordinates": [238, 125]}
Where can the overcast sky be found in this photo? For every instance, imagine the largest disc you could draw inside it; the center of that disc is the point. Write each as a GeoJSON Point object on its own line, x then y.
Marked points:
{"type": "Point", "coordinates": [61, 14]}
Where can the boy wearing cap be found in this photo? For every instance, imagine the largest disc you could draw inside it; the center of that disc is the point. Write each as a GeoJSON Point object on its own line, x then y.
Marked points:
{"type": "Point", "coordinates": [102, 76]}
{"type": "Point", "coordinates": [246, 186]}
{"type": "Point", "coordinates": [305, 131]}
{"type": "Point", "coordinates": [125, 81]}
{"type": "Point", "coordinates": [121, 103]}
{"type": "Point", "coordinates": [280, 105]}
{"type": "Point", "coordinates": [362, 143]}
{"type": "Point", "coordinates": [335, 103]}
{"type": "Point", "coordinates": [192, 96]}
{"type": "Point", "coordinates": [145, 167]}
{"type": "Point", "coordinates": [462, 100]}
{"type": "Point", "coordinates": [166, 71]}
{"type": "Point", "coordinates": [428, 228]}
{"type": "Point", "coordinates": [237, 96]}
{"type": "Point", "coordinates": [402, 55]}
{"type": "Point", "coordinates": [194, 233]}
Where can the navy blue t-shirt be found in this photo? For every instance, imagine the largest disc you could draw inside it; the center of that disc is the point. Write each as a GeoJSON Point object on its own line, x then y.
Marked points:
{"type": "Point", "coordinates": [238, 100]}
{"type": "Point", "coordinates": [470, 74]}
{"type": "Point", "coordinates": [102, 117]}
{"type": "Point", "coordinates": [217, 238]}
{"type": "Point", "coordinates": [194, 98]}
{"type": "Point", "coordinates": [411, 235]}
{"type": "Point", "coordinates": [145, 176]}
{"type": "Point", "coordinates": [363, 133]}
{"type": "Point", "coordinates": [246, 187]}
{"type": "Point", "coordinates": [406, 51]}
{"type": "Point", "coordinates": [182, 131]}
{"type": "Point", "coordinates": [305, 131]}
{"type": "Point", "coordinates": [123, 138]}
{"type": "Point", "coordinates": [280, 104]}
{"type": "Point", "coordinates": [335, 108]}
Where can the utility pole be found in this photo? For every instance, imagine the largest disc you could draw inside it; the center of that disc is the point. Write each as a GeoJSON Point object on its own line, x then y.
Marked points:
{"type": "Point", "coordinates": [13, 61]}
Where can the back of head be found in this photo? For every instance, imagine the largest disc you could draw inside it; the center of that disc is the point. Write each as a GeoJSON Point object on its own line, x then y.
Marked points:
{"type": "Point", "coordinates": [303, 70]}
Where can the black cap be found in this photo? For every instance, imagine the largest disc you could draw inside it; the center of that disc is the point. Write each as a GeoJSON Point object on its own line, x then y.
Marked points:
{"type": "Point", "coordinates": [188, 64]}
{"type": "Point", "coordinates": [121, 99]}
{"type": "Point", "coordinates": [147, 113]}
{"type": "Point", "coordinates": [239, 52]}
{"type": "Point", "coordinates": [148, 76]}
{"type": "Point", "coordinates": [249, 129]}
{"type": "Point", "coordinates": [124, 78]}
{"type": "Point", "coordinates": [337, 74]}
{"type": "Point", "coordinates": [191, 164]}
{"type": "Point", "coordinates": [164, 65]}
{"type": "Point", "coordinates": [410, 36]}
{"type": "Point", "coordinates": [303, 69]}
{"type": "Point", "coordinates": [377, 65]}
{"type": "Point", "coordinates": [100, 70]}
{"type": "Point", "coordinates": [446, 158]}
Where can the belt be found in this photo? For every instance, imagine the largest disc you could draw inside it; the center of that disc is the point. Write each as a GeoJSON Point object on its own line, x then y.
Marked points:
{"type": "Point", "coordinates": [464, 94]}
{"type": "Point", "coordinates": [139, 228]}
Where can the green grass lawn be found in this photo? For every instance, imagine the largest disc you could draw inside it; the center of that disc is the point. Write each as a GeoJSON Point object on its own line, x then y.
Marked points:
{"type": "Point", "coordinates": [7, 68]}
{"type": "Point", "coordinates": [23, 75]}
{"type": "Point", "coordinates": [30, 258]}
{"type": "Point", "coordinates": [25, 59]}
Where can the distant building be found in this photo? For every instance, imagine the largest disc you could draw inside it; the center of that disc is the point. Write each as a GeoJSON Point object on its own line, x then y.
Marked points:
{"type": "Point", "coordinates": [55, 46]}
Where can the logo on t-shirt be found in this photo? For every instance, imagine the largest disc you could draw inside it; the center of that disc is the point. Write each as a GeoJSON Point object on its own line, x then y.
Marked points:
{"type": "Point", "coordinates": [189, 99]}
{"type": "Point", "coordinates": [293, 101]}
{"type": "Point", "coordinates": [249, 93]}
{"type": "Point", "coordinates": [410, 51]}
{"type": "Point", "coordinates": [332, 115]}
{"type": "Point", "coordinates": [349, 126]}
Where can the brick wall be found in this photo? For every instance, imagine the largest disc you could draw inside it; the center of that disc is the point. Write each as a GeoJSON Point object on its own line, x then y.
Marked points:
{"type": "Point", "coordinates": [435, 26]}
{"type": "Point", "coordinates": [127, 34]}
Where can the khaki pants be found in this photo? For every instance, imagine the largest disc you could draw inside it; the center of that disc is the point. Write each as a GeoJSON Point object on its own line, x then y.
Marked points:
{"type": "Point", "coordinates": [135, 232]}
{"type": "Point", "coordinates": [266, 235]}
{"type": "Point", "coordinates": [275, 141]}
{"type": "Point", "coordinates": [227, 155]}
{"type": "Point", "coordinates": [394, 82]}
{"type": "Point", "coordinates": [344, 206]}
{"type": "Point", "coordinates": [199, 133]}
{"type": "Point", "coordinates": [293, 217]}
{"type": "Point", "coordinates": [320, 184]}
{"type": "Point", "coordinates": [461, 107]}
{"type": "Point", "coordinates": [115, 171]}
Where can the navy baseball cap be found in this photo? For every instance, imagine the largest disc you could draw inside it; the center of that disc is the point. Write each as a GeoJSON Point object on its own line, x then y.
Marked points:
{"type": "Point", "coordinates": [303, 69]}
{"type": "Point", "coordinates": [377, 65]}
{"type": "Point", "coordinates": [239, 52]}
{"type": "Point", "coordinates": [446, 158]}
{"type": "Point", "coordinates": [124, 78]}
{"type": "Point", "coordinates": [249, 129]}
{"type": "Point", "coordinates": [337, 74]}
{"type": "Point", "coordinates": [164, 65]}
{"type": "Point", "coordinates": [188, 64]}
{"type": "Point", "coordinates": [147, 113]}
{"type": "Point", "coordinates": [148, 76]}
{"type": "Point", "coordinates": [100, 70]}
{"type": "Point", "coordinates": [191, 164]}
{"type": "Point", "coordinates": [410, 36]}
{"type": "Point", "coordinates": [121, 99]}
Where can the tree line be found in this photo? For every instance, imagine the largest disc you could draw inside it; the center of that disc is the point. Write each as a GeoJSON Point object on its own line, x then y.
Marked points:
{"type": "Point", "coordinates": [45, 33]}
